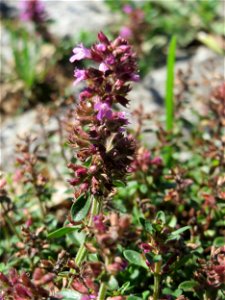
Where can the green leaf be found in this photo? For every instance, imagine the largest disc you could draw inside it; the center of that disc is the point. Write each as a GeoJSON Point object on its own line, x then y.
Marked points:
{"type": "Point", "coordinates": [180, 230]}
{"type": "Point", "coordinates": [188, 285]}
{"type": "Point", "coordinates": [173, 221]}
{"type": "Point", "coordinates": [176, 234]}
{"type": "Point", "coordinates": [153, 258]}
{"type": "Point", "coordinates": [135, 258]}
{"type": "Point", "coordinates": [170, 84]}
{"type": "Point", "coordinates": [134, 298]}
{"type": "Point", "coordinates": [143, 188]}
{"type": "Point", "coordinates": [3, 267]}
{"type": "Point", "coordinates": [177, 293]}
{"type": "Point", "coordinates": [87, 163]}
{"type": "Point", "coordinates": [113, 283]}
{"type": "Point", "coordinates": [124, 287]}
{"type": "Point", "coordinates": [209, 41]}
{"type": "Point", "coordinates": [147, 225]}
{"type": "Point", "coordinates": [61, 232]}
{"type": "Point", "coordinates": [182, 261]}
{"type": "Point", "coordinates": [219, 241]}
{"type": "Point", "coordinates": [80, 208]}
{"type": "Point", "coordinates": [161, 216]}
{"type": "Point", "coordinates": [119, 183]}
{"type": "Point", "coordinates": [145, 295]}
{"type": "Point", "coordinates": [70, 295]}
{"type": "Point", "coordinates": [168, 291]}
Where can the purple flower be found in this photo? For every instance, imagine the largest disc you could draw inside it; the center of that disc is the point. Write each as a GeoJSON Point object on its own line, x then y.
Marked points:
{"type": "Point", "coordinates": [156, 161]}
{"type": "Point", "coordinates": [32, 10]}
{"type": "Point", "coordinates": [103, 67]}
{"type": "Point", "coordinates": [103, 136]}
{"type": "Point", "coordinates": [88, 297]}
{"type": "Point", "coordinates": [86, 93]}
{"type": "Point", "coordinates": [99, 224]}
{"type": "Point", "coordinates": [80, 53]}
{"type": "Point", "coordinates": [110, 59]}
{"type": "Point", "coordinates": [80, 75]}
{"type": "Point", "coordinates": [127, 9]}
{"type": "Point", "coordinates": [101, 47]}
{"type": "Point", "coordinates": [104, 111]}
{"type": "Point", "coordinates": [135, 77]}
{"type": "Point", "coordinates": [126, 32]}
{"type": "Point", "coordinates": [103, 39]}
{"type": "Point", "coordinates": [122, 118]}
{"type": "Point", "coordinates": [145, 247]}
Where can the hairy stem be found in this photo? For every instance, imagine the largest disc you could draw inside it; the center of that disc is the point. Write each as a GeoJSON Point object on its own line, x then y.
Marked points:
{"type": "Point", "coordinates": [157, 280]}
{"type": "Point", "coordinates": [42, 208]}
{"type": "Point", "coordinates": [82, 250]}
{"type": "Point", "coordinates": [102, 291]}
{"type": "Point", "coordinates": [12, 227]}
{"type": "Point", "coordinates": [207, 296]}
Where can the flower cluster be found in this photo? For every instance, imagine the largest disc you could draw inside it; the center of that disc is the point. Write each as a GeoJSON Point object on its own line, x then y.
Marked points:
{"type": "Point", "coordinates": [20, 286]}
{"type": "Point", "coordinates": [143, 160]}
{"type": "Point", "coordinates": [32, 170]}
{"type": "Point", "coordinates": [212, 272]}
{"type": "Point", "coordinates": [218, 102]}
{"type": "Point", "coordinates": [27, 162]}
{"type": "Point", "coordinates": [32, 10]}
{"type": "Point", "coordinates": [99, 131]}
{"type": "Point", "coordinates": [135, 26]}
{"type": "Point", "coordinates": [158, 251]}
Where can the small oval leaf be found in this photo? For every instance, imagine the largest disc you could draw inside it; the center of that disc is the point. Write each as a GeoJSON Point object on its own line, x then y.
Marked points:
{"type": "Point", "coordinates": [180, 230]}
{"type": "Point", "coordinates": [61, 232]}
{"type": "Point", "coordinates": [70, 295]}
{"type": "Point", "coordinates": [80, 208]}
{"type": "Point", "coordinates": [176, 234]}
{"type": "Point", "coordinates": [188, 285]}
{"type": "Point", "coordinates": [135, 258]}
{"type": "Point", "coordinates": [219, 241]}
{"type": "Point", "coordinates": [161, 216]}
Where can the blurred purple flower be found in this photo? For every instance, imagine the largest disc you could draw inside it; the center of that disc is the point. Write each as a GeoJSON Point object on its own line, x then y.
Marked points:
{"type": "Point", "coordinates": [99, 224]}
{"type": "Point", "coordinates": [135, 77]}
{"type": "Point", "coordinates": [127, 9]}
{"type": "Point", "coordinates": [32, 10]}
{"type": "Point", "coordinates": [145, 247]}
{"type": "Point", "coordinates": [101, 47]}
{"type": "Point", "coordinates": [126, 32]}
{"type": "Point", "coordinates": [157, 161]}
{"type": "Point", "coordinates": [88, 297]}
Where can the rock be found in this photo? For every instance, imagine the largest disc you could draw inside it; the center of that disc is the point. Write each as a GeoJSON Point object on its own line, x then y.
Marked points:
{"type": "Point", "coordinates": [80, 16]}
{"type": "Point", "coordinates": [204, 67]}
{"type": "Point", "coordinates": [71, 17]}
{"type": "Point", "coordinates": [12, 129]}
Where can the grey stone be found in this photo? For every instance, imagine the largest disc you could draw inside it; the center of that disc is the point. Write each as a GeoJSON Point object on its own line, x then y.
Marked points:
{"type": "Point", "coordinates": [71, 16]}
{"type": "Point", "coordinates": [205, 67]}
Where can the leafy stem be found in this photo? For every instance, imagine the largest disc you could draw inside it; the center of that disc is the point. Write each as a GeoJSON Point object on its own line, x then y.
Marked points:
{"type": "Point", "coordinates": [102, 291]}
{"type": "Point", "coordinates": [157, 280]}
{"type": "Point", "coordinates": [82, 251]}
{"type": "Point", "coordinates": [12, 227]}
